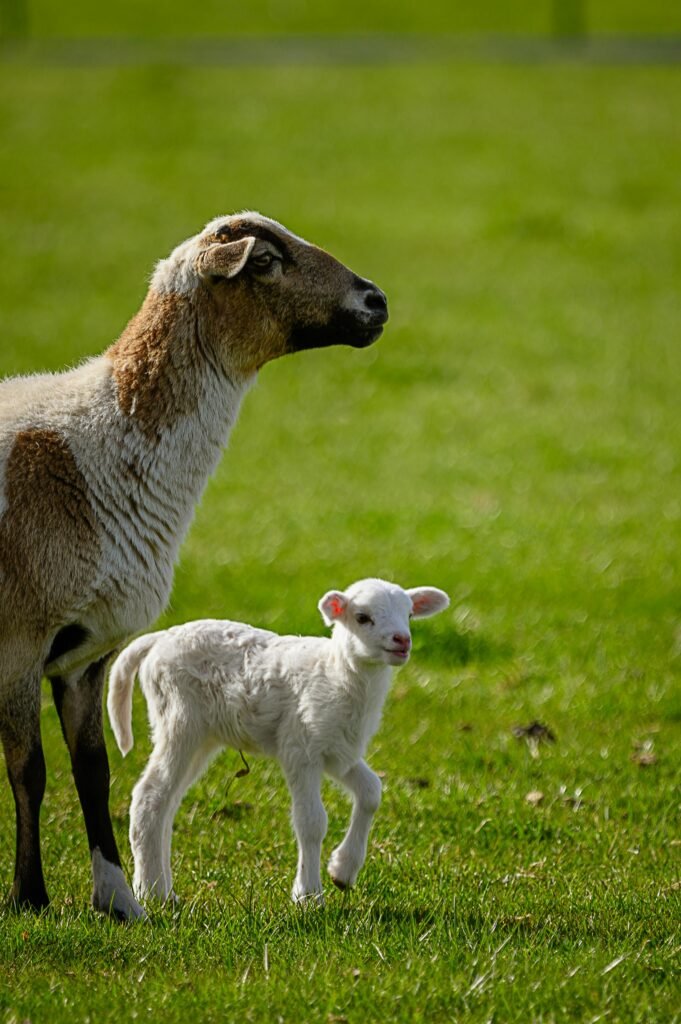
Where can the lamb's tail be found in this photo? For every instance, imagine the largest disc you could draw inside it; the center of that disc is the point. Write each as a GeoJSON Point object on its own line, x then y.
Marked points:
{"type": "Point", "coordinates": [121, 682]}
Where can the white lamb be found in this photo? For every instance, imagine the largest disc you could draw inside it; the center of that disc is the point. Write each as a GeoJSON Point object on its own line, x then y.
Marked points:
{"type": "Point", "coordinates": [313, 703]}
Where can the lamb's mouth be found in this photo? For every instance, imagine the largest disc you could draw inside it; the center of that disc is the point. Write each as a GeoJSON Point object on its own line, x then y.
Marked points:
{"type": "Point", "coordinates": [397, 652]}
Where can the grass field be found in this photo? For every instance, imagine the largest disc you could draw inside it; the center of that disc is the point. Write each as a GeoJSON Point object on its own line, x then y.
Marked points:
{"type": "Point", "coordinates": [515, 438]}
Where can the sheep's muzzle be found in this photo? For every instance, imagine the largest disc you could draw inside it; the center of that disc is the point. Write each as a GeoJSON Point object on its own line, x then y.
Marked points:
{"type": "Point", "coordinates": [356, 327]}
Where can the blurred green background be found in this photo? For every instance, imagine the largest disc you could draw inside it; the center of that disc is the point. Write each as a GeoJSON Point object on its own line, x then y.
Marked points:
{"type": "Point", "coordinates": [226, 17]}
{"type": "Point", "coordinates": [515, 437]}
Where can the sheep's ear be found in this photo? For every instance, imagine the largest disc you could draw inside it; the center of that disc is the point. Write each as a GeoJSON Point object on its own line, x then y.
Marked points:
{"type": "Point", "coordinates": [332, 606]}
{"type": "Point", "coordinates": [225, 260]}
{"type": "Point", "coordinates": [427, 601]}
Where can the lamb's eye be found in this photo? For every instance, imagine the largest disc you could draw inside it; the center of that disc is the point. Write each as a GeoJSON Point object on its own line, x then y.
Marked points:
{"type": "Point", "coordinates": [363, 619]}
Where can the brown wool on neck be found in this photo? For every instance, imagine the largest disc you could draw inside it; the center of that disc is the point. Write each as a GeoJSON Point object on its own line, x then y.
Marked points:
{"type": "Point", "coordinates": [156, 363]}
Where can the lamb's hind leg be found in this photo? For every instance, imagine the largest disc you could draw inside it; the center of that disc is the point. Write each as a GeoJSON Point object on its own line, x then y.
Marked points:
{"type": "Point", "coordinates": [20, 733]}
{"type": "Point", "coordinates": [174, 764]}
{"type": "Point", "coordinates": [79, 705]}
{"type": "Point", "coordinates": [197, 766]}
{"type": "Point", "coordinates": [347, 859]}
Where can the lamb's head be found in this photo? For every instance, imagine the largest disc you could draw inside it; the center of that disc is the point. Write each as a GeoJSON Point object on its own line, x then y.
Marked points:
{"type": "Point", "coordinates": [267, 292]}
{"type": "Point", "coordinates": [371, 618]}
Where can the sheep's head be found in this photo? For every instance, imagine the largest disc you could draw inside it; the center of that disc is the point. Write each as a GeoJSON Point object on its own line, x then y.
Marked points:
{"type": "Point", "coordinates": [269, 292]}
{"type": "Point", "coordinates": [371, 618]}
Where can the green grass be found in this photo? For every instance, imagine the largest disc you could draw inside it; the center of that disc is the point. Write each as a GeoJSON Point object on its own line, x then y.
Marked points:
{"type": "Point", "coordinates": [515, 438]}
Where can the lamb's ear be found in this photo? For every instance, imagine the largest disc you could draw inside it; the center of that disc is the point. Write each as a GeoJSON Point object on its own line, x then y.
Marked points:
{"type": "Point", "coordinates": [225, 260]}
{"type": "Point", "coordinates": [427, 601]}
{"type": "Point", "coordinates": [332, 606]}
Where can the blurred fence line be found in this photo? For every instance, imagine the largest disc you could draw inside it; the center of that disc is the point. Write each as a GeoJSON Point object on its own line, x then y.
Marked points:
{"type": "Point", "coordinates": [313, 50]}
{"type": "Point", "coordinates": [567, 34]}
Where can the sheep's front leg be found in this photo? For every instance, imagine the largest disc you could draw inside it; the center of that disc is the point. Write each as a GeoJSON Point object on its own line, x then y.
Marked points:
{"type": "Point", "coordinates": [309, 824]}
{"type": "Point", "coordinates": [347, 859]}
{"type": "Point", "coordinates": [20, 733]}
{"type": "Point", "coordinates": [79, 705]}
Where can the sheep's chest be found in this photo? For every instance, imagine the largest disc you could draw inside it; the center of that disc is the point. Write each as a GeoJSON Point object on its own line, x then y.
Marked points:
{"type": "Point", "coordinates": [144, 494]}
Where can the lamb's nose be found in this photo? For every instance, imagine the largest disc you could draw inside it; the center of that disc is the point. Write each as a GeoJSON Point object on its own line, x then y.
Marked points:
{"type": "Point", "coordinates": [402, 640]}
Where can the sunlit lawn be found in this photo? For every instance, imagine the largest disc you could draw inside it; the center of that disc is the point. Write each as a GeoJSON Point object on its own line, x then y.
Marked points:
{"type": "Point", "coordinates": [515, 438]}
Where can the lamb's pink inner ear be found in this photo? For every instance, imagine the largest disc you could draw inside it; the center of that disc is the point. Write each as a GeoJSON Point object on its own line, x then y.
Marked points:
{"type": "Point", "coordinates": [427, 601]}
{"type": "Point", "coordinates": [332, 606]}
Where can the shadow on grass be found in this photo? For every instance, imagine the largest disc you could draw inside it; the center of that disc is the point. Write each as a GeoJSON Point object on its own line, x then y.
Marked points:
{"type": "Point", "coordinates": [529, 921]}
{"type": "Point", "coordinates": [457, 647]}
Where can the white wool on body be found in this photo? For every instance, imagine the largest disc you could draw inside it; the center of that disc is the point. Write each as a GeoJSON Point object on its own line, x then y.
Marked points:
{"type": "Point", "coordinates": [268, 694]}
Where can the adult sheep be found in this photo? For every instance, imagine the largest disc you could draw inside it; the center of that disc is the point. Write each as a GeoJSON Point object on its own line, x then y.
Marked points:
{"type": "Point", "coordinates": [100, 470]}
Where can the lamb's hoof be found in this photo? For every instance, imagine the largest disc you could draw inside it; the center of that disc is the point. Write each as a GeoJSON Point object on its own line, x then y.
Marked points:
{"type": "Point", "coordinates": [308, 900]}
{"type": "Point", "coordinates": [339, 874]}
{"type": "Point", "coordinates": [341, 870]}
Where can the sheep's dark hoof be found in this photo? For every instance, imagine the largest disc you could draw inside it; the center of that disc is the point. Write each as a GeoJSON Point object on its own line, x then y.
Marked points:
{"type": "Point", "coordinates": [111, 894]}
{"type": "Point", "coordinates": [343, 886]}
{"type": "Point", "coordinates": [35, 901]}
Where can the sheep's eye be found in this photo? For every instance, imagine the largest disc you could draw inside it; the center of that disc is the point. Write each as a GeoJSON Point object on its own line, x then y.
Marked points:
{"type": "Point", "coordinates": [363, 619]}
{"type": "Point", "coordinates": [264, 260]}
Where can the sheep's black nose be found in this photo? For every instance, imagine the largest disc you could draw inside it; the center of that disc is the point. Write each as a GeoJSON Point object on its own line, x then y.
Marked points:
{"type": "Point", "coordinates": [375, 303]}
{"type": "Point", "coordinates": [376, 300]}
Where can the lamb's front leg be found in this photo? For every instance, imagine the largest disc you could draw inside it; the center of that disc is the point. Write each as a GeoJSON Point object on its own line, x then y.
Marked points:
{"type": "Point", "coordinates": [309, 823]}
{"type": "Point", "coordinates": [347, 859]}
